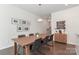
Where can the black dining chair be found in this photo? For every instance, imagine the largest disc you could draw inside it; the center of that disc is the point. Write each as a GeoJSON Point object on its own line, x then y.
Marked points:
{"type": "Point", "coordinates": [36, 46]}
{"type": "Point", "coordinates": [19, 48]}
{"type": "Point", "coordinates": [51, 37]}
{"type": "Point", "coordinates": [45, 40]}
{"type": "Point", "coordinates": [48, 39]}
{"type": "Point", "coordinates": [50, 42]}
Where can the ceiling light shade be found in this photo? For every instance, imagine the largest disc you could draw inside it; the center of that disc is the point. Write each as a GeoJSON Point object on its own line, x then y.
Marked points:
{"type": "Point", "coordinates": [40, 20]}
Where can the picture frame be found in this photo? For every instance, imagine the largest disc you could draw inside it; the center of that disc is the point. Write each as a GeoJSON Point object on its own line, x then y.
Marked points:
{"type": "Point", "coordinates": [60, 24]}
{"type": "Point", "coordinates": [25, 28]}
{"type": "Point", "coordinates": [23, 22]}
{"type": "Point", "coordinates": [15, 21]}
{"type": "Point", "coordinates": [19, 28]}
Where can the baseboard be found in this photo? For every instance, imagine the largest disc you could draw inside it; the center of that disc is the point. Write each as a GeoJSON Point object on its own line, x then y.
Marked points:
{"type": "Point", "coordinates": [6, 47]}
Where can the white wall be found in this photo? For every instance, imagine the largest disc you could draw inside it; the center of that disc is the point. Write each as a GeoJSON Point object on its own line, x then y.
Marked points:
{"type": "Point", "coordinates": [8, 30]}
{"type": "Point", "coordinates": [71, 16]}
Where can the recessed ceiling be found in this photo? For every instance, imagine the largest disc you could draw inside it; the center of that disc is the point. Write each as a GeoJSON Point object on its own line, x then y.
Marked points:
{"type": "Point", "coordinates": [44, 10]}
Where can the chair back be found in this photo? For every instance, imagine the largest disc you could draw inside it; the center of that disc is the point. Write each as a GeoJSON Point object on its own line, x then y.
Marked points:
{"type": "Point", "coordinates": [51, 37]}
{"type": "Point", "coordinates": [19, 36]}
{"type": "Point", "coordinates": [31, 34]}
{"type": "Point", "coordinates": [36, 45]}
{"type": "Point", "coordinates": [46, 39]}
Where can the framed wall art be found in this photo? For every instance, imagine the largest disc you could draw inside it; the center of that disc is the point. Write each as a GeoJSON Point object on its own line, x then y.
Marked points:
{"type": "Point", "coordinates": [22, 25]}
{"type": "Point", "coordinates": [19, 28]}
{"type": "Point", "coordinates": [23, 22]}
{"type": "Point", "coordinates": [15, 21]}
{"type": "Point", "coordinates": [60, 25]}
{"type": "Point", "coordinates": [25, 28]}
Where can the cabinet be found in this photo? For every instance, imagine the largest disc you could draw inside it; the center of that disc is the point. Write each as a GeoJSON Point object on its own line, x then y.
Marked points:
{"type": "Point", "coordinates": [60, 37]}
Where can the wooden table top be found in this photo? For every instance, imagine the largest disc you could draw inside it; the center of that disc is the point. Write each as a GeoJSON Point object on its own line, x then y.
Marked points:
{"type": "Point", "coordinates": [28, 40]}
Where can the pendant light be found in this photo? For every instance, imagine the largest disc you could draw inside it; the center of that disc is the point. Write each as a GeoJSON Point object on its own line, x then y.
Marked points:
{"type": "Point", "coordinates": [40, 20]}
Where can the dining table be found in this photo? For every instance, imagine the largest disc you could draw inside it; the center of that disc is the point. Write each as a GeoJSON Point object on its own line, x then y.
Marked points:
{"type": "Point", "coordinates": [25, 43]}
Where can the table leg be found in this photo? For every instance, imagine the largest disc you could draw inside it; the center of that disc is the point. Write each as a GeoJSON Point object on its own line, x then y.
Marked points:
{"type": "Point", "coordinates": [26, 50]}
{"type": "Point", "coordinates": [15, 48]}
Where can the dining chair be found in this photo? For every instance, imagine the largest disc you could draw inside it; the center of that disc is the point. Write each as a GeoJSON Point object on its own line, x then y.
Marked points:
{"type": "Point", "coordinates": [50, 42]}
{"type": "Point", "coordinates": [48, 39]}
{"type": "Point", "coordinates": [51, 37]}
{"type": "Point", "coordinates": [31, 34]}
{"type": "Point", "coordinates": [36, 46]}
{"type": "Point", "coordinates": [45, 40]}
{"type": "Point", "coordinates": [19, 48]}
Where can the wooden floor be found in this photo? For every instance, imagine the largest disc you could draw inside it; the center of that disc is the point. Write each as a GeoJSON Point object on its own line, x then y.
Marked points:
{"type": "Point", "coordinates": [55, 49]}
{"type": "Point", "coordinates": [59, 49]}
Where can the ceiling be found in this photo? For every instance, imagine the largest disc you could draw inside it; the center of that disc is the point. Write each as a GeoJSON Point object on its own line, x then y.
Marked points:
{"type": "Point", "coordinates": [44, 10]}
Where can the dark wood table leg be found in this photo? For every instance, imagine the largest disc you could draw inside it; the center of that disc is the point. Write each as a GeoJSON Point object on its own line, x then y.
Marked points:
{"type": "Point", "coordinates": [15, 48]}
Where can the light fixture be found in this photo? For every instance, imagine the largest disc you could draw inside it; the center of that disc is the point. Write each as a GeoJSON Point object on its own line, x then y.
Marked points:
{"type": "Point", "coordinates": [40, 20]}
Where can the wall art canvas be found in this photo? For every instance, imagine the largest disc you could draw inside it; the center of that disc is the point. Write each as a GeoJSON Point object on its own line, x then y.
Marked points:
{"type": "Point", "coordinates": [23, 22]}
{"type": "Point", "coordinates": [60, 24]}
{"type": "Point", "coordinates": [25, 28]}
{"type": "Point", "coordinates": [15, 21]}
{"type": "Point", "coordinates": [19, 28]}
